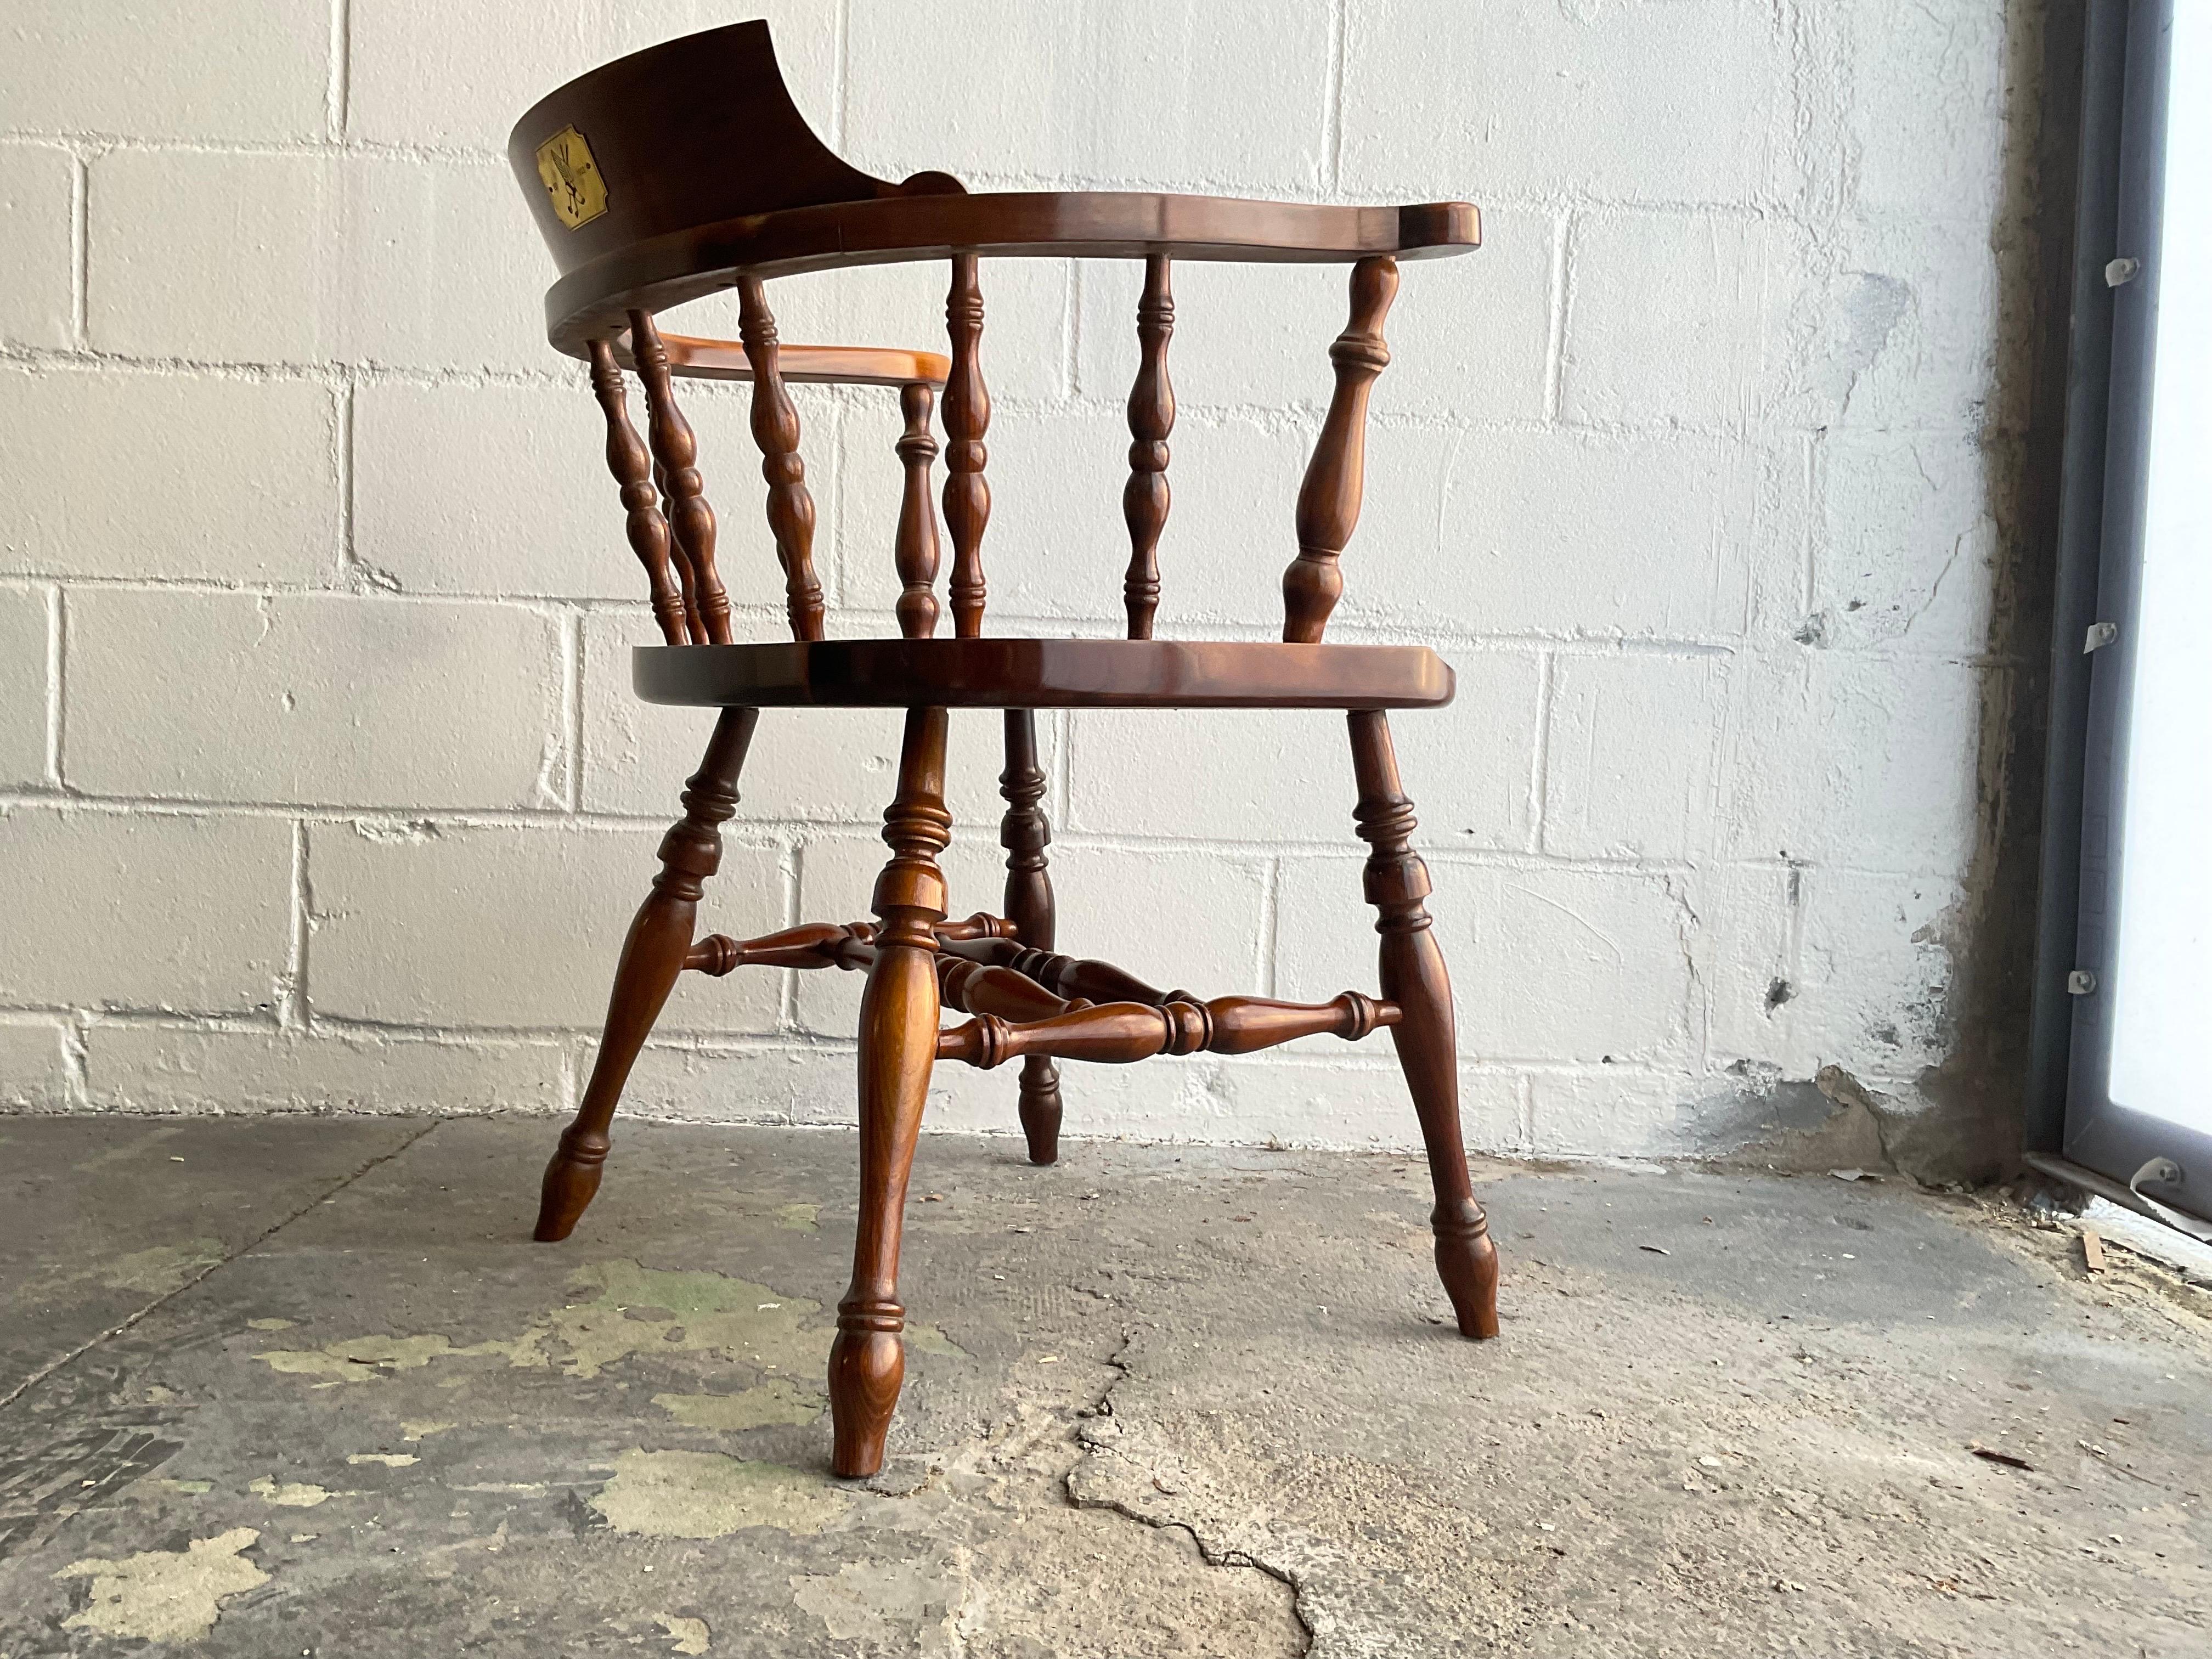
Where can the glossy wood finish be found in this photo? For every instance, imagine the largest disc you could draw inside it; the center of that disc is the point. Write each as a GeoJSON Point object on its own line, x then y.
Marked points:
{"type": "Point", "coordinates": [967, 418]}
{"type": "Point", "coordinates": [1120, 1033]}
{"type": "Point", "coordinates": [673, 270]}
{"type": "Point", "coordinates": [1328, 501]}
{"type": "Point", "coordinates": [828, 945]}
{"type": "Point", "coordinates": [711, 172]}
{"type": "Point", "coordinates": [898, 1045]}
{"type": "Point", "coordinates": [1151, 418]}
{"type": "Point", "coordinates": [993, 673]}
{"type": "Point", "coordinates": [686, 170]}
{"type": "Point", "coordinates": [632, 466]}
{"type": "Point", "coordinates": [974, 987]}
{"type": "Point", "coordinates": [691, 356]}
{"type": "Point", "coordinates": [775, 429]}
{"type": "Point", "coordinates": [1025, 833]}
{"type": "Point", "coordinates": [916, 556]}
{"type": "Point", "coordinates": [1413, 977]}
{"type": "Point", "coordinates": [652, 957]}
{"type": "Point", "coordinates": [1077, 978]}
{"type": "Point", "coordinates": [675, 449]}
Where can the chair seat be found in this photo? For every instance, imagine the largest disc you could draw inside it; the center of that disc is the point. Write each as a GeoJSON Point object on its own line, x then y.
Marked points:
{"type": "Point", "coordinates": [1010, 673]}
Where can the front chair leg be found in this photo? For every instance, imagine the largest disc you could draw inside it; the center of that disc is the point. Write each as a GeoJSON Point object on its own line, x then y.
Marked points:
{"type": "Point", "coordinates": [652, 957]}
{"type": "Point", "coordinates": [898, 1045]}
{"type": "Point", "coordinates": [1413, 977]}
{"type": "Point", "coordinates": [1025, 834]}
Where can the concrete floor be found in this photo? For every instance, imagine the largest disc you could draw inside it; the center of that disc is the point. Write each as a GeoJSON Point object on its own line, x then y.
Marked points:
{"type": "Point", "coordinates": [297, 1387]}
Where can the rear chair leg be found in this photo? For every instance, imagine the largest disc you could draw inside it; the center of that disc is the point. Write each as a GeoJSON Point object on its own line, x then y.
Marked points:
{"type": "Point", "coordinates": [898, 1045]}
{"type": "Point", "coordinates": [1025, 834]}
{"type": "Point", "coordinates": [1413, 977]}
{"type": "Point", "coordinates": [652, 957]}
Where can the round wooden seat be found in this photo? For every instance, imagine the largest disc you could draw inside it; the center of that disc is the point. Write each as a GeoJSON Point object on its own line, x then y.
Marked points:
{"type": "Point", "coordinates": [1004, 673]}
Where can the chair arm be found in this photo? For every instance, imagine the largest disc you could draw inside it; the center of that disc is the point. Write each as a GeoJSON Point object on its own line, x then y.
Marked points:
{"type": "Point", "coordinates": [668, 270]}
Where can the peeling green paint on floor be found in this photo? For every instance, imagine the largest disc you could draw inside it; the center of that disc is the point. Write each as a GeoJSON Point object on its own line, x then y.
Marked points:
{"type": "Point", "coordinates": [618, 1308]}
{"type": "Point", "coordinates": [162, 1269]}
{"type": "Point", "coordinates": [683, 1494]}
{"type": "Point", "coordinates": [166, 1596]}
{"type": "Point", "coordinates": [779, 1400]}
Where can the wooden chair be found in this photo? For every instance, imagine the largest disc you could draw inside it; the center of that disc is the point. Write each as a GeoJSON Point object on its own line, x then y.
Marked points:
{"type": "Point", "coordinates": [686, 169]}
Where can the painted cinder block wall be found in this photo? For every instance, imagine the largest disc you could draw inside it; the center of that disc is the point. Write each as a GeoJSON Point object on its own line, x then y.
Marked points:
{"type": "Point", "coordinates": [324, 787]}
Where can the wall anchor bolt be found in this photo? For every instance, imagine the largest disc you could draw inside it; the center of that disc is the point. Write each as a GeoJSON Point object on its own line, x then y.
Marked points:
{"type": "Point", "coordinates": [2080, 983]}
{"type": "Point", "coordinates": [2099, 634]}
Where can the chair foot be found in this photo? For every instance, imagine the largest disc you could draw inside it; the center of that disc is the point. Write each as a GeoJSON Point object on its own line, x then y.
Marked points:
{"type": "Point", "coordinates": [1466, 1261]}
{"type": "Point", "coordinates": [572, 1179]}
{"type": "Point", "coordinates": [867, 1365]}
{"type": "Point", "coordinates": [652, 955]}
{"type": "Point", "coordinates": [1040, 1109]}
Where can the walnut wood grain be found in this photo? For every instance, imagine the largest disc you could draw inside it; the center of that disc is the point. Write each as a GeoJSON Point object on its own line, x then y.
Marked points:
{"type": "Point", "coordinates": [1151, 418]}
{"type": "Point", "coordinates": [916, 554]}
{"type": "Point", "coordinates": [631, 463]}
{"type": "Point", "coordinates": [974, 987]}
{"type": "Point", "coordinates": [775, 429]}
{"type": "Point", "coordinates": [898, 1045]}
{"type": "Point", "coordinates": [1010, 674]}
{"type": "Point", "coordinates": [689, 264]}
{"type": "Point", "coordinates": [652, 957]}
{"type": "Point", "coordinates": [712, 172]}
{"type": "Point", "coordinates": [1413, 977]}
{"type": "Point", "coordinates": [1078, 978]}
{"type": "Point", "coordinates": [1120, 1033]}
{"type": "Point", "coordinates": [695, 630]}
{"type": "Point", "coordinates": [967, 418]}
{"type": "Point", "coordinates": [687, 170]}
{"type": "Point", "coordinates": [1328, 501]}
{"type": "Point", "coordinates": [676, 447]}
{"type": "Point", "coordinates": [1025, 832]}
{"type": "Point", "coordinates": [814, 944]}
{"type": "Point", "coordinates": [848, 945]}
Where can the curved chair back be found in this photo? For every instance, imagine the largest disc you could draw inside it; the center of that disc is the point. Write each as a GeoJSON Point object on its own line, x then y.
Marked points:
{"type": "Point", "coordinates": [686, 168]}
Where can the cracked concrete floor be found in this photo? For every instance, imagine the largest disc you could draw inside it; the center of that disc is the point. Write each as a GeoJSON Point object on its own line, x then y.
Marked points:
{"type": "Point", "coordinates": [304, 1387]}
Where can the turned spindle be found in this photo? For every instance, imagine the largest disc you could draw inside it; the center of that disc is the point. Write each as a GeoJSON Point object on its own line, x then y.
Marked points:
{"type": "Point", "coordinates": [653, 956]}
{"type": "Point", "coordinates": [1122, 1033]}
{"type": "Point", "coordinates": [775, 429]}
{"type": "Point", "coordinates": [973, 988]}
{"type": "Point", "coordinates": [1151, 418]}
{"type": "Point", "coordinates": [676, 447]}
{"type": "Point", "coordinates": [917, 555]}
{"type": "Point", "coordinates": [898, 1046]}
{"type": "Point", "coordinates": [1412, 976]}
{"type": "Point", "coordinates": [1329, 500]}
{"type": "Point", "coordinates": [631, 463]}
{"type": "Point", "coordinates": [1025, 833]}
{"type": "Point", "coordinates": [967, 417]}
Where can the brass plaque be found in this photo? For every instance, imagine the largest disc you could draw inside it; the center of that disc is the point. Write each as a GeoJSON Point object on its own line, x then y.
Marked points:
{"type": "Point", "coordinates": [572, 178]}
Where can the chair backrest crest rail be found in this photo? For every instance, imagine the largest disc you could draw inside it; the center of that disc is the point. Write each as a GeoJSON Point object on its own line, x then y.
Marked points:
{"type": "Point", "coordinates": [647, 197]}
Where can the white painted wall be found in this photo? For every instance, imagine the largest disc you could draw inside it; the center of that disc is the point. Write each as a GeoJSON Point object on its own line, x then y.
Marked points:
{"type": "Point", "coordinates": [323, 785]}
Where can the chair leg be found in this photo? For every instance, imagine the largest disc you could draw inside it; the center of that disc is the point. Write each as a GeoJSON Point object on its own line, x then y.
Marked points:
{"type": "Point", "coordinates": [652, 957]}
{"type": "Point", "coordinates": [1025, 834]}
{"type": "Point", "coordinates": [898, 1045]}
{"type": "Point", "coordinates": [1413, 977]}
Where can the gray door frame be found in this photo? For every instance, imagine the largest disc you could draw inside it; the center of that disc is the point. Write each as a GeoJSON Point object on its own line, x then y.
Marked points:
{"type": "Point", "coordinates": [2113, 333]}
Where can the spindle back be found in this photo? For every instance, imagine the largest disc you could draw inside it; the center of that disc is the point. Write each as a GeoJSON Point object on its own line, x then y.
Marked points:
{"type": "Point", "coordinates": [686, 168]}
